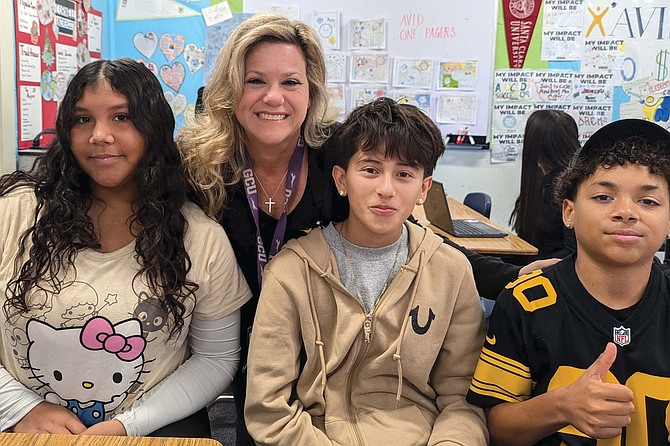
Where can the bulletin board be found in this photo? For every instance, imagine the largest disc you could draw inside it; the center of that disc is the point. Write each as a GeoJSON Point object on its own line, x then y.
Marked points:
{"type": "Point", "coordinates": [434, 54]}
{"type": "Point", "coordinates": [168, 36]}
{"type": "Point", "coordinates": [596, 60]}
{"type": "Point", "coordinates": [54, 38]}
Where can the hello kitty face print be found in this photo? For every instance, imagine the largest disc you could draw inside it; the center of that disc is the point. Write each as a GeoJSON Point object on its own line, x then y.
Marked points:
{"type": "Point", "coordinates": [90, 369]}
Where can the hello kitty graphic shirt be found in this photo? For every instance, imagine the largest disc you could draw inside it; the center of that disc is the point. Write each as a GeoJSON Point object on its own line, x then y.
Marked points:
{"type": "Point", "coordinates": [101, 342]}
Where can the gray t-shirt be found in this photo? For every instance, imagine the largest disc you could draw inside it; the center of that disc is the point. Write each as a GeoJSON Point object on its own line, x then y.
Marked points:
{"type": "Point", "coordinates": [373, 268]}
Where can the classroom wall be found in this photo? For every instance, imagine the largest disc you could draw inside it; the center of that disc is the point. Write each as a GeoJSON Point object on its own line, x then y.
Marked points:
{"type": "Point", "coordinates": [633, 66]}
{"type": "Point", "coordinates": [8, 136]}
{"type": "Point", "coordinates": [461, 171]}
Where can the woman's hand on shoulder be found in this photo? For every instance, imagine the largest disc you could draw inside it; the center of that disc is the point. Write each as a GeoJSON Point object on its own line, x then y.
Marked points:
{"type": "Point", "coordinates": [50, 418]}
{"type": "Point", "coordinates": [111, 427]}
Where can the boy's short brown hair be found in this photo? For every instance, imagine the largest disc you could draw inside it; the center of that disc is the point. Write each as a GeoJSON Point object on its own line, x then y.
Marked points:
{"type": "Point", "coordinates": [403, 131]}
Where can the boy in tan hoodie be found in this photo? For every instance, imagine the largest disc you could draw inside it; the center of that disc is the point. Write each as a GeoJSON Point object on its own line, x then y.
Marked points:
{"type": "Point", "coordinates": [367, 331]}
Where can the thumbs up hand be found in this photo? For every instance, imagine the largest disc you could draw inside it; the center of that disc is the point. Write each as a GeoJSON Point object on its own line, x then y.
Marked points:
{"type": "Point", "coordinates": [597, 408]}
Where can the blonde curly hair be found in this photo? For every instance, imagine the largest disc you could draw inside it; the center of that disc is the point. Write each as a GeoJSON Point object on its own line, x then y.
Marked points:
{"type": "Point", "coordinates": [213, 145]}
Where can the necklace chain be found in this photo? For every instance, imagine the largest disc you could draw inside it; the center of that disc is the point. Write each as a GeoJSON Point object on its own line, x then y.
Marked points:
{"type": "Point", "coordinates": [367, 325]}
{"type": "Point", "coordinates": [270, 201]}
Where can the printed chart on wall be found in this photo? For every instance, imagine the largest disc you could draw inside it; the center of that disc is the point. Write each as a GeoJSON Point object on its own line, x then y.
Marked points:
{"type": "Point", "coordinates": [436, 55]}
{"type": "Point", "coordinates": [596, 60]}
{"type": "Point", "coordinates": [54, 39]}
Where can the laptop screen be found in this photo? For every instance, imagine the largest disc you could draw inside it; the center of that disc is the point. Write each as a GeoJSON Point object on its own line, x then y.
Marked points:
{"type": "Point", "coordinates": [437, 212]}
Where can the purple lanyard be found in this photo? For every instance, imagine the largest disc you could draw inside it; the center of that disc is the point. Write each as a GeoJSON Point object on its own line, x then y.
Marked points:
{"type": "Point", "coordinates": [249, 179]}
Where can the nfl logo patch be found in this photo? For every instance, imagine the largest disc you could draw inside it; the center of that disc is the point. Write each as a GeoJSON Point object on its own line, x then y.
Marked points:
{"type": "Point", "coordinates": [621, 336]}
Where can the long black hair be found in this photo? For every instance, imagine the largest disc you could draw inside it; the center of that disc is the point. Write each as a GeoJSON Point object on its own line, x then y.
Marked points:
{"type": "Point", "coordinates": [550, 139]}
{"type": "Point", "coordinates": [61, 226]}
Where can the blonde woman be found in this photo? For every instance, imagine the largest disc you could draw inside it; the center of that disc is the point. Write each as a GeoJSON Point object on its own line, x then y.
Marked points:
{"type": "Point", "coordinates": [253, 161]}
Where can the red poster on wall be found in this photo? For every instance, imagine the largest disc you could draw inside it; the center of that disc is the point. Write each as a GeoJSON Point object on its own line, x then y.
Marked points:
{"type": "Point", "coordinates": [520, 17]}
{"type": "Point", "coordinates": [54, 39]}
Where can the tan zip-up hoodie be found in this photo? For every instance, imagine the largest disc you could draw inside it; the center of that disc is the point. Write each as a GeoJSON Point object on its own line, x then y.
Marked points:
{"type": "Point", "coordinates": [312, 379]}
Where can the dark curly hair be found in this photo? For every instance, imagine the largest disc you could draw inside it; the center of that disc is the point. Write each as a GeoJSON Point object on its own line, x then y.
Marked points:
{"type": "Point", "coordinates": [61, 226]}
{"type": "Point", "coordinates": [653, 153]}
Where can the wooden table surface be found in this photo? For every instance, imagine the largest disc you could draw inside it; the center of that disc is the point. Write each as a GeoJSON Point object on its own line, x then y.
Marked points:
{"type": "Point", "coordinates": [94, 440]}
{"type": "Point", "coordinates": [510, 245]}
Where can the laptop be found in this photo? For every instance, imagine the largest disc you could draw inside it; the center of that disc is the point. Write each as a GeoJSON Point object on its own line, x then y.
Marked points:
{"type": "Point", "coordinates": [437, 211]}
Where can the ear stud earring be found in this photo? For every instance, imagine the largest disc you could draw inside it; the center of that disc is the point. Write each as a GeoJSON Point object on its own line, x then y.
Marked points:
{"type": "Point", "coordinates": [341, 192]}
{"type": "Point", "coordinates": [568, 225]}
{"type": "Point", "coordinates": [420, 201]}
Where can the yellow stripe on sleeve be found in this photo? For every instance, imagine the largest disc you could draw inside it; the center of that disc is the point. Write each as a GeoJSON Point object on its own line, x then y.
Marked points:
{"type": "Point", "coordinates": [502, 378]}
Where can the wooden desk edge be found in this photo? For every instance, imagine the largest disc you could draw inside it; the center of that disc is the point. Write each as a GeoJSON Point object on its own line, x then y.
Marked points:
{"type": "Point", "coordinates": [520, 251]}
{"type": "Point", "coordinates": [512, 244]}
{"type": "Point", "coordinates": [12, 439]}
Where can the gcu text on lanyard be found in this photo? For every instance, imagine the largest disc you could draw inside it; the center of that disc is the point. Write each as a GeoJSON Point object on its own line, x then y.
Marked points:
{"type": "Point", "coordinates": [249, 179]}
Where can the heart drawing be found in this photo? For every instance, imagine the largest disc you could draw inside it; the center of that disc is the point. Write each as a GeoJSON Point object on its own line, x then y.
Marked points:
{"type": "Point", "coordinates": [194, 57]}
{"type": "Point", "coordinates": [172, 47]}
{"type": "Point", "coordinates": [150, 65]}
{"type": "Point", "coordinates": [146, 44]}
{"type": "Point", "coordinates": [173, 75]}
{"type": "Point", "coordinates": [177, 102]}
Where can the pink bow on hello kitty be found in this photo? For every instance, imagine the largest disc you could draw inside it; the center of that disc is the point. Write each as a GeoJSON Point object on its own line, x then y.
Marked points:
{"type": "Point", "coordinates": [99, 334]}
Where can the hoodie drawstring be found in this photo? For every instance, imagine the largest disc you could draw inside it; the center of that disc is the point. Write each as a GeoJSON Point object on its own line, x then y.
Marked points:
{"type": "Point", "coordinates": [396, 356]}
{"type": "Point", "coordinates": [317, 328]}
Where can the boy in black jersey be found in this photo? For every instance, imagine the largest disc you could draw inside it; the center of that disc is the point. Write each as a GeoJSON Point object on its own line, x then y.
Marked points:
{"type": "Point", "coordinates": [581, 350]}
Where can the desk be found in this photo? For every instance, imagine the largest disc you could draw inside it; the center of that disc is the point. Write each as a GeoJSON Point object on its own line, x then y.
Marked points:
{"type": "Point", "coordinates": [510, 245]}
{"type": "Point", "coordinates": [95, 440]}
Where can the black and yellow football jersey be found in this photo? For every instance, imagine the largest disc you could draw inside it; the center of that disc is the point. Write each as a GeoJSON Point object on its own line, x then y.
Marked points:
{"type": "Point", "coordinates": [546, 330]}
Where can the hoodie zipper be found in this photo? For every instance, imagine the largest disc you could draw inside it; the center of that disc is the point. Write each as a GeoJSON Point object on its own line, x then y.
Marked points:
{"type": "Point", "coordinates": [367, 327]}
{"type": "Point", "coordinates": [353, 419]}
{"type": "Point", "coordinates": [367, 332]}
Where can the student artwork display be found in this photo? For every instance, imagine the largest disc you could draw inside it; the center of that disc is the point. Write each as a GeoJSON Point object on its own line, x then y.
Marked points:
{"type": "Point", "coordinates": [336, 67]}
{"type": "Point", "coordinates": [415, 73]}
{"type": "Point", "coordinates": [215, 37]}
{"type": "Point", "coordinates": [132, 10]}
{"type": "Point", "coordinates": [361, 95]}
{"type": "Point", "coordinates": [327, 27]}
{"type": "Point", "coordinates": [54, 39]}
{"type": "Point", "coordinates": [420, 99]}
{"type": "Point", "coordinates": [562, 29]}
{"type": "Point", "coordinates": [367, 62]}
{"type": "Point", "coordinates": [587, 97]}
{"type": "Point", "coordinates": [177, 40]}
{"type": "Point", "coordinates": [146, 43]}
{"type": "Point", "coordinates": [369, 67]}
{"type": "Point", "coordinates": [194, 57]}
{"type": "Point", "coordinates": [457, 75]}
{"type": "Point", "coordinates": [456, 108]}
{"type": "Point", "coordinates": [367, 34]}
{"type": "Point", "coordinates": [336, 97]}
{"type": "Point", "coordinates": [596, 61]}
